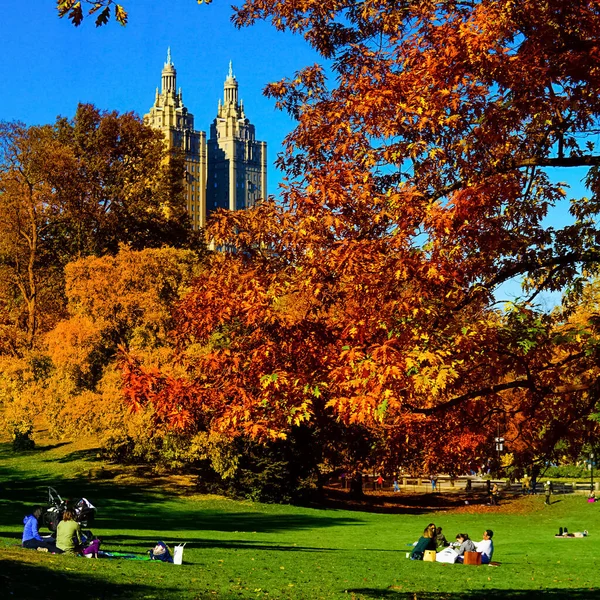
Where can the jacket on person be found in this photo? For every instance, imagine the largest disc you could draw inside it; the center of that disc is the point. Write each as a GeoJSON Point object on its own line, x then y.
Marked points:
{"type": "Point", "coordinates": [30, 531]}
{"type": "Point", "coordinates": [466, 546]}
{"type": "Point", "coordinates": [422, 544]}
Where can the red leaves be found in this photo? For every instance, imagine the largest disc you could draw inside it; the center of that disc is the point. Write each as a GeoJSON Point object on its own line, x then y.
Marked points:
{"type": "Point", "coordinates": [366, 296]}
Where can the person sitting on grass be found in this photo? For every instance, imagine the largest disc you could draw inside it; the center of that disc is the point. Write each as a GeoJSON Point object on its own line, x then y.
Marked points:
{"type": "Point", "coordinates": [440, 538]}
{"type": "Point", "coordinates": [67, 532]}
{"type": "Point", "coordinates": [425, 542]}
{"type": "Point", "coordinates": [486, 547]}
{"type": "Point", "coordinates": [466, 545]}
{"type": "Point", "coordinates": [31, 535]}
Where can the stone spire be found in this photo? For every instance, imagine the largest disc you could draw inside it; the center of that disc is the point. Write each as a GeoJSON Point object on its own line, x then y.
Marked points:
{"type": "Point", "coordinates": [231, 88]}
{"type": "Point", "coordinates": [169, 76]}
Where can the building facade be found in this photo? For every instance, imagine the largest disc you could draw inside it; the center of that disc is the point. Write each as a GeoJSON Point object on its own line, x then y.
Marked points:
{"type": "Point", "coordinates": [227, 171]}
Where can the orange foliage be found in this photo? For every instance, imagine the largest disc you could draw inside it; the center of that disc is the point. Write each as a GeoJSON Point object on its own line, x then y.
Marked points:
{"type": "Point", "coordinates": [417, 186]}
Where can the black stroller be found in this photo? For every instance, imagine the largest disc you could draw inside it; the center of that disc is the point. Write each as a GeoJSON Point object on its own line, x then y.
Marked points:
{"type": "Point", "coordinates": [83, 510]}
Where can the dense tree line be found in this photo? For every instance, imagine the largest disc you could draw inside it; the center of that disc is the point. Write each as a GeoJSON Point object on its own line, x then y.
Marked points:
{"type": "Point", "coordinates": [355, 318]}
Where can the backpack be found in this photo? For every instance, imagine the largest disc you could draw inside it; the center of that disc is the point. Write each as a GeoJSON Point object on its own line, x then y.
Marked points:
{"type": "Point", "coordinates": [161, 552]}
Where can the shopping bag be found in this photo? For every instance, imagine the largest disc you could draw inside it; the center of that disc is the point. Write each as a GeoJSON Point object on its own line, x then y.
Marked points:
{"type": "Point", "coordinates": [472, 558]}
{"type": "Point", "coordinates": [178, 554]}
{"type": "Point", "coordinates": [429, 556]}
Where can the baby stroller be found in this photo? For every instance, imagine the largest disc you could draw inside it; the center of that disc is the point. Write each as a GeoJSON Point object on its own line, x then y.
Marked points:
{"type": "Point", "coordinates": [83, 510]}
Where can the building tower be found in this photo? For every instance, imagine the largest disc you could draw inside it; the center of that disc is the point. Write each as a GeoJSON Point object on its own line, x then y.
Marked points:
{"type": "Point", "coordinates": [237, 163]}
{"type": "Point", "coordinates": [177, 124]}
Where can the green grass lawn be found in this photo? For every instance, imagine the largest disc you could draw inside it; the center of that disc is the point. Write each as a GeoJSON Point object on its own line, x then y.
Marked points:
{"type": "Point", "coordinates": [248, 550]}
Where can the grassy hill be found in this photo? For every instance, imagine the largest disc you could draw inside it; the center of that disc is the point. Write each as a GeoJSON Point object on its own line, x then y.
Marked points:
{"type": "Point", "coordinates": [248, 550]}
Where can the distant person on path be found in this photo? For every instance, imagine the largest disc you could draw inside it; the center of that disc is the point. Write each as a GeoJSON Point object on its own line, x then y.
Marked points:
{"type": "Point", "coordinates": [425, 542]}
{"type": "Point", "coordinates": [396, 486]}
{"type": "Point", "coordinates": [525, 485]}
{"type": "Point", "coordinates": [433, 483]}
{"type": "Point", "coordinates": [466, 545]}
{"type": "Point", "coordinates": [548, 492]}
{"type": "Point", "coordinates": [494, 494]}
{"type": "Point", "coordinates": [380, 482]}
{"type": "Point", "coordinates": [486, 547]}
{"type": "Point", "coordinates": [67, 531]}
{"type": "Point", "coordinates": [31, 535]}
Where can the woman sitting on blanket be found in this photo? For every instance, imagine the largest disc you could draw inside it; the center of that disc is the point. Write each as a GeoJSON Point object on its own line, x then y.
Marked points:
{"type": "Point", "coordinates": [426, 542]}
{"type": "Point", "coordinates": [466, 545]}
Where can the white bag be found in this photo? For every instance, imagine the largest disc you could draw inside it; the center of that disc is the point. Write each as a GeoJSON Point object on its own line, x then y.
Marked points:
{"type": "Point", "coordinates": [178, 554]}
{"type": "Point", "coordinates": [447, 555]}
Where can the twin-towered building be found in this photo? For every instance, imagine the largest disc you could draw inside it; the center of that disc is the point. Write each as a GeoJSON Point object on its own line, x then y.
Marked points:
{"type": "Point", "coordinates": [229, 170]}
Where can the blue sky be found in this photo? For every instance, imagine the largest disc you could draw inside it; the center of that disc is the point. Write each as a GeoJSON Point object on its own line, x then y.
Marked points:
{"type": "Point", "coordinates": [48, 66]}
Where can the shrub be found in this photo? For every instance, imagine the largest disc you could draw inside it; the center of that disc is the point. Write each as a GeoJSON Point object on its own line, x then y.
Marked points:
{"type": "Point", "coordinates": [567, 472]}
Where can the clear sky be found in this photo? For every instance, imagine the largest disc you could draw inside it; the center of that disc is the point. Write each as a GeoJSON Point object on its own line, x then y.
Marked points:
{"type": "Point", "coordinates": [48, 66]}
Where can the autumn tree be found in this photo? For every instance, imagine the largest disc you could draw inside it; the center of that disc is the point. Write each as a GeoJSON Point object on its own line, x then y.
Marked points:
{"type": "Point", "coordinates": [417, 185]}
{"type": "Point", "coordinates": [124, 191]}
{"type": "Point", "coordinates": [80, 187]}
{"type": "Point", "coordinates": [126, 301]}
{"type": "Point", "coordinates": [32, 162]}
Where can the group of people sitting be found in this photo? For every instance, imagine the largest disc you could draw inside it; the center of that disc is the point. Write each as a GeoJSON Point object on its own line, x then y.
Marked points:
{"type": "Point", "coordinates": [68, 534]}
{"type": "Point", "coordinates": [434, 539]}
{"type": "Point", "coordinates": [70, 540]}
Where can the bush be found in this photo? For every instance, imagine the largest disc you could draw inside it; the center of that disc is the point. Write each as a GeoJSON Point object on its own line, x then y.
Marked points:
{"type": "Point", "coordinates": [279, 472]}
{"type": "Point", "coordinates": [22, 438]}
{"type": "Point", "coordinates": [567, 472]}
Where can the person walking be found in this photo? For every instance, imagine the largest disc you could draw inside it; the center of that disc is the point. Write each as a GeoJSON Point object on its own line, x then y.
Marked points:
{"type": "Point", "coordinates": [548, 492]}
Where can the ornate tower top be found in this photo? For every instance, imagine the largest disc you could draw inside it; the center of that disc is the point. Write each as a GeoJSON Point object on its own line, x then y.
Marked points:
{"type": "Point", "coordinates": [168, 111]}
{"type": "Point", "coordinates": [230, 92]}
{"type": "Point", "coordinates": [169, 75]}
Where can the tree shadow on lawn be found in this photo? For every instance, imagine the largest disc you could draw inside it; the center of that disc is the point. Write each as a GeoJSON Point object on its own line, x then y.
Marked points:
{"type": "Point", "coordinates": [27, 581]}
{"type": "Point", "coordinates": [18, 493]}
{"type": "Point", "coordinates": [144, 506]}
{"type": "Point", "coordinates": [118, 542]}
{"type": "Point", "coordinates": [487, 594]}
{"type": "Point", "coordinates": [405, 502]}
{"type": "Point", "coordinates": [161, 519]}
{"type": "Point", "coordinates": [89, 455]}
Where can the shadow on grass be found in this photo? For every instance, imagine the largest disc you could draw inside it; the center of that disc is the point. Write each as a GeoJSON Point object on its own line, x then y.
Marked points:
{"type": "Point", "coordinates": [90, 455]}
{"type": "Point", "coordinates": [143, 506]}
{"type": "Point", "coordinates": [35, 581]}
{"type": "Point", "coordinates": [117, 542]}
{"type": "Point", "coordinates": [546, 594]}
{"type": "Point", "coordinates": [408, 503]}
